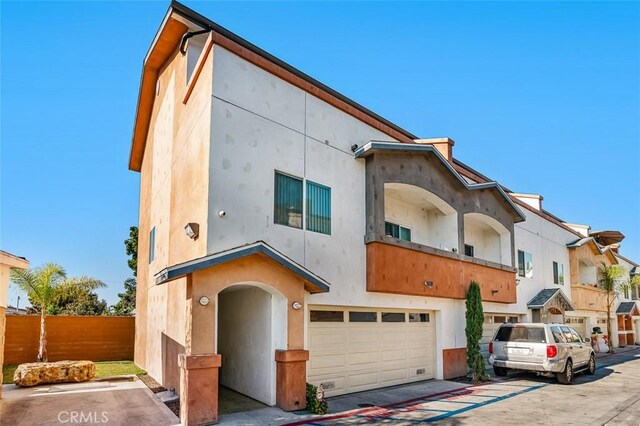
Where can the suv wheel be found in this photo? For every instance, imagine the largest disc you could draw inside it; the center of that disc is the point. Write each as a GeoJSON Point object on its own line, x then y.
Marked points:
{"type": "Point", "coordinates": [566, 377]}
{"type": "Point", "coordinates": [591, 367]}
{"type": "Point", "coordinates": [500, 371]}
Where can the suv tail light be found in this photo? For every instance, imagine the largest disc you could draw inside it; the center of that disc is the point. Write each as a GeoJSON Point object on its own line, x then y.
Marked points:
{"type": "Point", "coordinates": [491, 347]}
{"type": "Point", "coordinates": [552, 351]}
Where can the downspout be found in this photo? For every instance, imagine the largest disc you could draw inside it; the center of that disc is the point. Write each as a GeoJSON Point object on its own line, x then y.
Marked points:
{"type": "Point", "coordinates": [187, 36]}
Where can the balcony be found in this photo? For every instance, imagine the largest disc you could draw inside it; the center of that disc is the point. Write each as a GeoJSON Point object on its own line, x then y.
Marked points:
{"type": "Point", "coordinates": [401, 267]}
{"type": "Point", "coordinates": [588, 298]}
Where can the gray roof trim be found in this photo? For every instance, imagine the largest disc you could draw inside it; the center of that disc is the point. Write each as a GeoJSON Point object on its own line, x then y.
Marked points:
{"type": "Point", "coordinates": [543, 297]}
{"type": "Point", "coordinates": [582, 241]}
{"type": "Point", "coordinates": [259, 247]}
{"type": "Point", "coordinates": [204, 22]}
{"type": "Point", "coordinates": [625, 308]}
{"type": "Point", "coordinates": [372, 146]}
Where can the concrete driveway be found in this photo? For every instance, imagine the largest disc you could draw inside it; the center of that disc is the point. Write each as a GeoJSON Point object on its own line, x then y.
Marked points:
{"type": "Point", "coordinates": [610, 397]}
{"type": "Point", "coordinates": [112, 402]}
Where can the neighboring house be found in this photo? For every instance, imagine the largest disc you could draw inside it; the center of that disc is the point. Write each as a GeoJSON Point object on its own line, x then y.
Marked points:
{"type": "Point", "coordinates": [628, 308]}
{"type": "Point", "coordinates": [590, 302]}
{"type": "Point", "coordinates": [8, 261]}
{"type": "Point", "coordinates": [12, 310]}
{"type": "Point", "coordinates": [288, 234]}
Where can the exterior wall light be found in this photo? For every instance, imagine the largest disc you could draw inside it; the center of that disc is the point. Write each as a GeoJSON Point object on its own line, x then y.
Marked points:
{"type": "Point", "coordinates": [204, 300]}
{"type": "Point", "coordinates": [494, 291]}
{"type": "Point", "coordinates": [296, 305]}
{"type": "Point", "coordinates": [192, 230]}
{"type": "Point", "coordinates": [429, 284]}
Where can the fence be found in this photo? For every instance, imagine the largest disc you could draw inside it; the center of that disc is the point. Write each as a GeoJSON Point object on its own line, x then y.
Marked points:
{"type": "Point", "coordinates": [69, 337]}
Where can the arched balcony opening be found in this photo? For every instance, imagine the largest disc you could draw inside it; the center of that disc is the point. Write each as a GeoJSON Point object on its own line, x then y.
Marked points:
{"type": "Point", "coordinates": [415, 214]}
{"type": "Point", "coordinates": [486, 238]}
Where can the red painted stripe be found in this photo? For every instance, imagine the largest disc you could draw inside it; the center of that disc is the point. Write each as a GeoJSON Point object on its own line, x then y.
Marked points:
{"type": "Point", "coordinates": [370, 409]}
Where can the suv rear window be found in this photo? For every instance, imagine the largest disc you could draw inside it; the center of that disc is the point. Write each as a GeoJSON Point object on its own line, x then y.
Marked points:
{"type": "Point", "coordinates": [521, 334]}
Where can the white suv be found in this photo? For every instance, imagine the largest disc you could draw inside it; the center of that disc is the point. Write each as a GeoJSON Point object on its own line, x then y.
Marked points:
{"type": "Point", "coordinates": [547, 349]}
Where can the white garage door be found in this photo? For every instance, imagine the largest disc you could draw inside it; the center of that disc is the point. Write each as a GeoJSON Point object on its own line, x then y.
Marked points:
{"type": "Point", "coordinates": [356, 350]}
{"type": "Point", "coordinates": [579, 324]}
{"type": "Point", "coordinates": [491, 324]}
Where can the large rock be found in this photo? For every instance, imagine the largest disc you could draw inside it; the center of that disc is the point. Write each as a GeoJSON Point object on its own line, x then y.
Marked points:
{"type": "Point", "coordinates": [37, 373]}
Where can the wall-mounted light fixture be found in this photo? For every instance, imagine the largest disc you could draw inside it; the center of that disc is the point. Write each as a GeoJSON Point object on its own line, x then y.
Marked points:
{"type": "Point", "coordinates": [517, 282]}
{"type": "Point", "coordinates": [222, 213]}
{"type": "Point", "coordinates": [204, 300]}
{"type": "Point", "coordinates": [494, 291]}
{"type": "Point", "coordinates": [192, 230]}
{"type": "Point", "coordinates": [354, 148]}
{"type": "Point", "coordinates": [296, 305]}
{"type": "Point", "coordinates": [429, 284]}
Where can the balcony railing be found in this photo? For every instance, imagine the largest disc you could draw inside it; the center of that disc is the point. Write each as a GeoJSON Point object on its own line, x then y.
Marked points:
{"type": "Point", "coordinates": [400, 267]}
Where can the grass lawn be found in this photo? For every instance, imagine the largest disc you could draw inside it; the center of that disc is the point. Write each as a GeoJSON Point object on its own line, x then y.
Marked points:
{"type": "Point", "coordinates": [103, 368]}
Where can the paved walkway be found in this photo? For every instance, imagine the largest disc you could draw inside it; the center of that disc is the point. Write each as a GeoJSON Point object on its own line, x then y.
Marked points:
{"type": "Point", "coordinates": [118, 402]}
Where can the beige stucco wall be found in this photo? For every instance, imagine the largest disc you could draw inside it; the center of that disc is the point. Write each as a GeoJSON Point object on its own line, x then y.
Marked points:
{"type": "Point", "coordinates": [173, 192]}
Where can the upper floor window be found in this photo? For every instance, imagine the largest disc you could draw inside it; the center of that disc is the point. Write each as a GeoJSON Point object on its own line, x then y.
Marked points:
{"type": "Point", "coordinates": [318, 208]}
{"type": "Point", "coordinates": [558, 273]}
{"type": "Point", "coordinates": [468, 250]}
{"type": "Point", "coordinates": [397, 231]}
{"type": "Point", "coordinates": [288, 206]}
{"type": "Point", "coordinates": [152, 244]}
{"type": "Point", "coordinates": [525, 264]}
{"type": "Point", "coordinates": [288, 201]}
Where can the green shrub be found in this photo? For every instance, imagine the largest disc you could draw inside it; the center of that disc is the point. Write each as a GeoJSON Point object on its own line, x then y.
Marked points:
{"type": "Point", "coordinates": [315, 405]}
{"type": "Point", "coordinates": [475, 318]}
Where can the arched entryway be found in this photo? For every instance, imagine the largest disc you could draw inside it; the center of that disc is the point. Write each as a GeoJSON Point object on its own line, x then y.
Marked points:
{"type": "Point", "coordinates": [252, 325]}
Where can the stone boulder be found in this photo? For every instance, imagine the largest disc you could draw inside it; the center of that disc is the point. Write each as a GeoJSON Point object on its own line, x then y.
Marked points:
{"type": "Point", "coordinates": [38, 373]}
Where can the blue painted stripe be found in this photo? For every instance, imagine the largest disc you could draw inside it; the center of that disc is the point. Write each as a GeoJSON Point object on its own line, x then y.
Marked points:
{"type": "Point", "coordinates": [482, 404]}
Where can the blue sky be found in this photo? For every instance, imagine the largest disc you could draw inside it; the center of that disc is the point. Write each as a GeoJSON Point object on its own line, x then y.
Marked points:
{"type": "Point", "coordinates": [543, 97]}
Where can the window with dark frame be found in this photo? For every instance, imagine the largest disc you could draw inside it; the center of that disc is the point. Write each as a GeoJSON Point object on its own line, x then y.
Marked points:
{"type": "Point", "coordinates": [355, 316]}
{"type": "Point", "coordinates": [468, 250]}
{"type": "Point", "coordinates": [287, 208]}
{"type": "Point", "coordinates": [152, 244]}
{"type": "Point", "coordinates": [419, 317]}
{"type": "Point", "coordinates": [326, 316]}
{"type": "Point", "coordinates": [393, 317]}
{"type": "Point", "coordinates": [521, 263]}
{"type": "Point", "coordinates": [397, 231]}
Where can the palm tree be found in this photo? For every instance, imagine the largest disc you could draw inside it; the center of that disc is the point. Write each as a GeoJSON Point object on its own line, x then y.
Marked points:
{"type": "Point", "coordinates": [610, 280]}
{"type": "Point", "coordinates": [43, 286]}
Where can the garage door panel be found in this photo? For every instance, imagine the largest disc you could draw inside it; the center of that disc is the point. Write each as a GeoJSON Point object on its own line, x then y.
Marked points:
{"type": "Point", "coordinates": [351, 357]}
{"type": "Point", "coordinates": [328, 361]}
{"type": "Point", "coordinates": [362, 359]}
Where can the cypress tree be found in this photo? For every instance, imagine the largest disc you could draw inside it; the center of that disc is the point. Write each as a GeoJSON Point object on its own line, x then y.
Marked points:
{"type": "Point", "coordinates": [475, 318]}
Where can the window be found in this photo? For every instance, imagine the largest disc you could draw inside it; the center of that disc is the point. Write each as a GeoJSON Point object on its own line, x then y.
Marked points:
{"type": "Point", "coordinates": [499, 319]}
{"type": "Point", "coordinates": [393, 317]}
{"type": "Point", "coordinates": [513, 320]}
{"type": "Point", "coordinates": [397, 231]}
{"type": "Point", "coordinates": [557, 335]}
{"type": "Point", "coordinates": [558, 273]}
{"type": "Point", "coordinates": [288, 208]}
{"type": "Point", "coordinates": [318, 208]}
{"type": "Point", "coordinates": [576, 336]}
{"type": "Point", "coordinates": [569, 337]}
{"type": "Point", "coordinates": [468, 250]}
{"type": "Point", "coordinates": [152, 244]}
{"type": "Point", "coordinates": [288, 201]}
{"type": "Point", "coordinates": [520, 334]}
{"type": "Point", "coordinates": [525, 264]}
{"type": "Point", "coordinates": [363, 317]}
{"type": "Point", "coordinates": [419, 318]}
{"type": "Point", "coordinates": [326, 316]}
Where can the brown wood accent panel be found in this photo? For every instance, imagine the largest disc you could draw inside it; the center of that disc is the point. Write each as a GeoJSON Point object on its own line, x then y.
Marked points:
{"type": "Point", "coordinates": [398, 270]}
{"type": "Point", "coordinates": [454, 362]}
{"type": "Point", "coordinates": [588, 298]}
{"type": "Point", "coordinates": [69, 337]}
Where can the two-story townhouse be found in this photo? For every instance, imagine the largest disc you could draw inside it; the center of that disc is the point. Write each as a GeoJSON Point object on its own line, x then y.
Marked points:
{"type": "Point", "coordinates": [287, 232]}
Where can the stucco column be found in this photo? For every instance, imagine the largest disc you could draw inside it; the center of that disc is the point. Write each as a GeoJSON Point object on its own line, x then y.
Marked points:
{"type": "Point", "coordinates": [199, 388]}
{"type": "Point", "coordinates": [291, 379]}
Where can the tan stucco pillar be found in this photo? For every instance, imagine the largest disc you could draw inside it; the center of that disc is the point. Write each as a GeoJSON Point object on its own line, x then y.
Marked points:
{"type": "Point", "coordinates": [291, 379]}
{"type": "Point", "coordinates": [199, 388]}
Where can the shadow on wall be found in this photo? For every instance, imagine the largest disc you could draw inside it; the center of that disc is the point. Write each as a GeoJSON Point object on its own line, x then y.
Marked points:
{"type": "Point", "coordinates": [170, 370]}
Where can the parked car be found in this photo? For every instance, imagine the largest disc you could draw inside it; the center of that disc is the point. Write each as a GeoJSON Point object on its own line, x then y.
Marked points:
{"type": "Point", "coordinates": [547, 349]}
